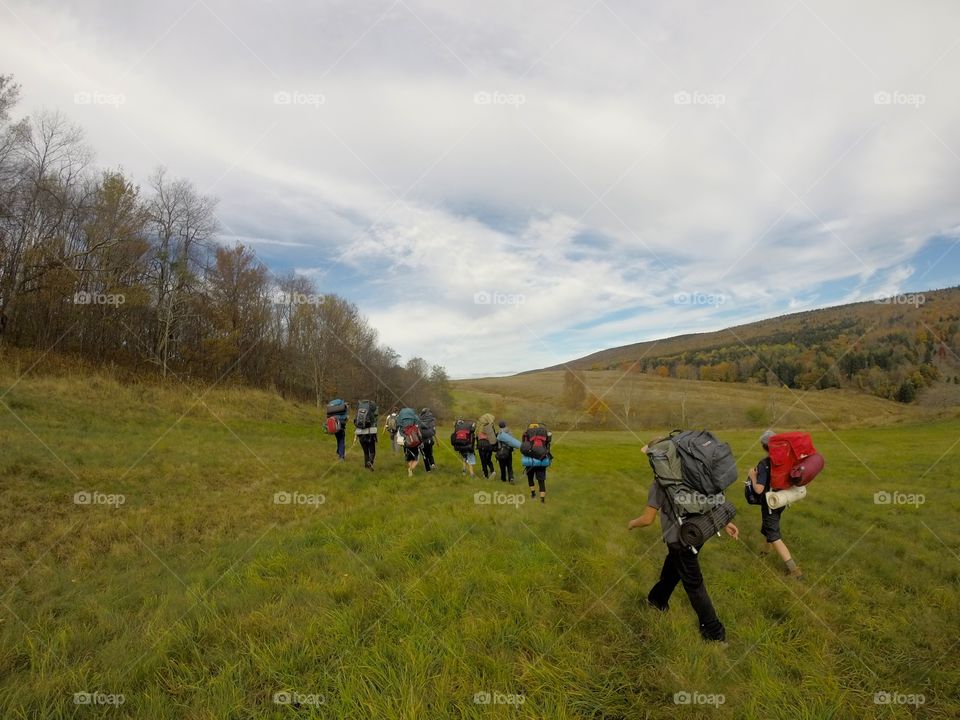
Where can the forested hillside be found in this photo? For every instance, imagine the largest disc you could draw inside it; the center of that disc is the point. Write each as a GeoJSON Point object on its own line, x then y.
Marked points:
{"type": "Point", "coordinates": [892, 348]}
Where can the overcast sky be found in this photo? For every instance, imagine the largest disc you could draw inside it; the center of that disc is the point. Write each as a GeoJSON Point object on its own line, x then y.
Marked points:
{"type": "Point", "coordinates": [505, 185]}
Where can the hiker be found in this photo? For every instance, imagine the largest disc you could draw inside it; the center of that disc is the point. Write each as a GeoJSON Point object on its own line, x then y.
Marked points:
{"type": "Point", "coordinates": [486, 443]}
{"type": "Point", "coordinates": [408, 434]}
{"type": "Point", "coordinates": [366, 433]}
{"type": "Point", "coordinates": [759, 479]}
{"type": "Point", "coordinates": [504, 454]}
{"type": "Point", "coordinates": [463, 439]}
{"type": "Point", "coordinates": [428, 431]}
{"type": "Point", "coordinates": [390, 428]}
{"type": "Point", "coordinates": [535, 455]}
{"type": "Point", "coordinates": [682, 563]}
{"type": "Point", "coordinates": [336, 424]}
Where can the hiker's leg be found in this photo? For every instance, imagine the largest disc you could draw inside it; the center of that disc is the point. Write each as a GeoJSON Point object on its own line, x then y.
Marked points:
{"type": "Point", "coordinates": [688, 565]}
{"type": "Point", "coordinates": [341, 443]}
{"type": "Point", "coordinates": [542, 481]}
{"type": "Point", "coordinates": [659, 595]}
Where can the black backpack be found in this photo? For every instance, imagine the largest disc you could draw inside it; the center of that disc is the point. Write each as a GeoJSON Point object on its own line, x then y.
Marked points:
{"type": "Point", "coordinates": [428, 425]}
{"type": "Point", "coordinates": [694, 468]}
{"type": "Point", "coordinates": [366, 417]}
{"type": "Point", "coordinates": [462, 436]}
{"type": "Point", "coordinates": [536, 441]}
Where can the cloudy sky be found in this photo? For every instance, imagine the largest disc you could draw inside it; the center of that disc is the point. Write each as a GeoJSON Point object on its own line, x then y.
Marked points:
{"type": "Point", "coordinates": [504, 185]}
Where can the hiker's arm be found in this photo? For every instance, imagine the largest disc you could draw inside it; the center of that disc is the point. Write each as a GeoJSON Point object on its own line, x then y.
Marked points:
{"type": "Point", "coordinates": [649, 515]}
{"type": "Point", "coordinates": [752, 476]}
{"type": "Point", "coordinates": [732, 530]}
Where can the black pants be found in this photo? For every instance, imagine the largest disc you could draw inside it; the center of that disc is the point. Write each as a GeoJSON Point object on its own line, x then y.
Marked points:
{"type": "Point", "coordinates": [369, 445]}
{"type": "Point", "coordinates": [540, 475]}
{"type": "Point", "coordinates": [506, 468]}
{"type": "Point", "coordinates": [682, 565]}
{"type": "Point", "coordinates": [341, 436]}
{"type": "Point", "coordinates": [428, 462]}
{"type": "Point", "coordinates": [486, 458]}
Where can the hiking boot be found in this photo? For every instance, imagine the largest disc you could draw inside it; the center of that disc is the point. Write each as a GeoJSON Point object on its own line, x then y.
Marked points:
{"type": "Point", "coordinates": [796, 573]}
{"type": "Point", "coordinates": [543, 498]}
{"type": "Point", "coordinates": [533, 494]}
{"type": "Point", "coordinates": [409, 472]}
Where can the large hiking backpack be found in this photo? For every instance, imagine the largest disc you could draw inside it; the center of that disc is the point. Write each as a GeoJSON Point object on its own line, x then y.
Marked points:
{"type": "Point", "coordinates": [412, 438]}
{"type": "Point", "coordinates": [366, 417]}
{"type": "Point", "coordinates": [535, 442]}
{"type": "Point", "coordinates": [337, 407]}
{"type": "Point", "coordinates": [407, 417]}
{"type": "Point", "coordinates": [391, 424]}
{"type": "Point", "coordinates": [428, 424]}
{"type": "Point", "coordinates": [486, 426]}
{"type": "Point", "coordinates": [793, 460]}
{"type": "Point", "coordinates": [694, 468]}
{"type": "Point", "coordinates": [462, 436]}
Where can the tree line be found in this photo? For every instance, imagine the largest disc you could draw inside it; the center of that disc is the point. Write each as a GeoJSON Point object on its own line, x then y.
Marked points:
{"type": "Point", "coordinates": [94, 265]}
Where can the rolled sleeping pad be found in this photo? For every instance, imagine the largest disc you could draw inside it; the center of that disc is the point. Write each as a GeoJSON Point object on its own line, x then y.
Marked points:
{"type": "Point", "coordinates": [697, 529]}
{"type": "Point", "coordinates": [781, 498]}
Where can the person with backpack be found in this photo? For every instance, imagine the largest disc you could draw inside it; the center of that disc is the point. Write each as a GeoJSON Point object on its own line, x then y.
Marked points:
{"type": "Point", "coordinates": [428, 431]}
{"type": "Point", "coordinates": [758, 480]}
{"type": "Point", "coordinates": [390, 428]}
{"type": "Point", "coordinates": [682, 564]}
{"type": "Point", "coordinates": [535, 456]}
{"type": "Point", "coordinates": [486, 443]}
{"type": "Point", "coordinates": [463, 440]}
{"type": "Point", "coordinates": [365, 422]}
{"type": "Point", "coordinates": [408, 424]}
{"type": "Point", "coordinates": [504, 454]}
{"type": "Point", "coordinates": [336, 424]}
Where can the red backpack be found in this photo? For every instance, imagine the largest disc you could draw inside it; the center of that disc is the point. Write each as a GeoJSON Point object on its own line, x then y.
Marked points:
{"type": "Point", "coordinates": [793, 460]}
{"type": "Point", "coordinates": [412, 437]}
{"type": "Point", "coordinates": [332, 425]}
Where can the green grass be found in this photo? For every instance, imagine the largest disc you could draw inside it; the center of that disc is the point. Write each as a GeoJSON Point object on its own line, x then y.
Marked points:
{"type": "Point", "coordinates": [200, 597]}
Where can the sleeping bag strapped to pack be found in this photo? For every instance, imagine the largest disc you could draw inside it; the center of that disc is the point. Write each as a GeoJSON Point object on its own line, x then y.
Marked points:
{"type": "Point", "coordinates": [693, 468]}
{"type": "Point", "coordinates": [486, 431]}
{"type": "Point", "coordinates": [428, 424]}
{"type": "Point", "coordinates": [697, 529]}
{"type": "Point", "coordinates": [336, 416]}
{"type": "Point", "coordinates": [793, 460]}
{"type": "Point", "coordinates": [462, 436]}
{"type": "Point", "coordinates": [535, 442]}
{"type": "Point", "coordinates": [337, 407]}
{"type": "Point", "coordinates": [366, 417]}
{"type": "Point", "coordinates": [409, 423]}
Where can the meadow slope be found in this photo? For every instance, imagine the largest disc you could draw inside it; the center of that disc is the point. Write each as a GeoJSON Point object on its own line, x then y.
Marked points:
{"type": "Point", "coordinates": [201, 597]}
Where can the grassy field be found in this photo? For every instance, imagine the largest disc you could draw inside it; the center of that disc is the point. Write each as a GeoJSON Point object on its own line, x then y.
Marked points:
{"type": "Point", "coordinates": [641, 401]}
{"type": "Point", "coordinates": [375, 595]}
